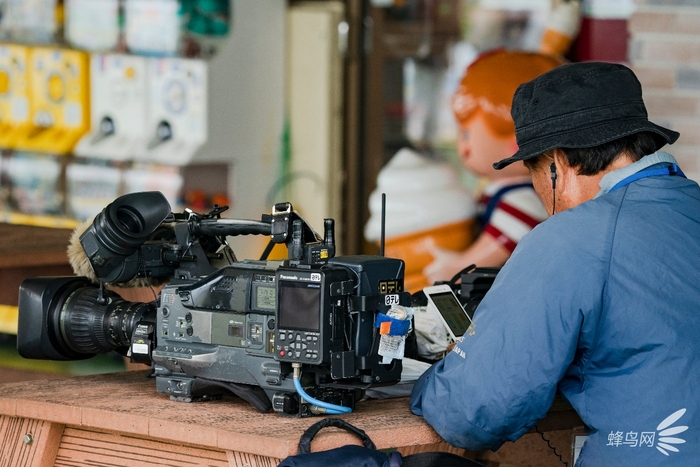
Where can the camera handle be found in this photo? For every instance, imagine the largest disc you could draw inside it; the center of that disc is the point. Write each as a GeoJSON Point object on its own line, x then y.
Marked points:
{"type": "Point", "coordinates": [231, 227]}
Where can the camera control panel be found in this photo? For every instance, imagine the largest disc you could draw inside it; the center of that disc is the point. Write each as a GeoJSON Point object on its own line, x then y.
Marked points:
{"type": "Point", "coordinates": [301, 346]}
{"type": "Point", "coordinates": [307, 317]}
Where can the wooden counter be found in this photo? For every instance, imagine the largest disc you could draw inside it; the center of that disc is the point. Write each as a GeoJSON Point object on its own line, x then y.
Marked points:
{"type": "Point", "coordinates": [28, 251]}
{"type": "Point", "coordinates": [31, 246]}
{"type": "Point", "coordinates": [120, 419]}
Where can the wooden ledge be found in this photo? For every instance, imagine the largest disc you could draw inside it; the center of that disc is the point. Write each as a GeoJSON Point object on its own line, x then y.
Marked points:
{"type": "Point", "coordinates": [129, 403]}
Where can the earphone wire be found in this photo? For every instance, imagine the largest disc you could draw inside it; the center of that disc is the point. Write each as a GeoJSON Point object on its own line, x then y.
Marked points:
{"type": "Point", "coordinates": [553, 175]}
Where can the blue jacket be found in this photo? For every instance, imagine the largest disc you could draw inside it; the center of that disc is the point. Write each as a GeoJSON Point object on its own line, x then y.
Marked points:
{"type": "Point", "coordinates": [600, 302]}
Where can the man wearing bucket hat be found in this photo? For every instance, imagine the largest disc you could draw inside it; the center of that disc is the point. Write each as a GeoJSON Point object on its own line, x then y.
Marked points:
{"type": "Point", "coordinates": [599, 302]}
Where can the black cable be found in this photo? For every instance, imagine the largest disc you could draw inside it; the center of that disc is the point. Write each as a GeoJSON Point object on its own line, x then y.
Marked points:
{"type": "Point", "coordinates": [453, 282]}
{"type": "Point", "coordinates": [554, 449]}
{"type": "Point", "coordinates": [153, 291]}
{"type": "Point", "coordinates": [553, 175]}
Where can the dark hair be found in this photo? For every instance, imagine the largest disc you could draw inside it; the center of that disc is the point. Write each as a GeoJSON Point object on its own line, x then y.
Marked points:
{"type": "Point", "coordinates": [590, 161]}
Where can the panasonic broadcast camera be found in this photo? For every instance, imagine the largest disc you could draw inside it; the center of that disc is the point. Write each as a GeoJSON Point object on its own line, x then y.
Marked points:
{"type": "Point", "coordinates": [299, 336]}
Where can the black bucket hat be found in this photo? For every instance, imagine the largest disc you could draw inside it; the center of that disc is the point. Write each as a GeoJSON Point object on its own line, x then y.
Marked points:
{"type": "Point", "coordinates": [579, 105]}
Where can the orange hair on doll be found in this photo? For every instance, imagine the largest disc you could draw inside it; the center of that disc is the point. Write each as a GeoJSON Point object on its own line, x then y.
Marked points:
{"type": "Point", "coordinates": [489, 83]}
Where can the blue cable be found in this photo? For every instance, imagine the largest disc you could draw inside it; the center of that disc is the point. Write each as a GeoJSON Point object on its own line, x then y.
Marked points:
{"type": "Point", "coordinates": [331, 409]}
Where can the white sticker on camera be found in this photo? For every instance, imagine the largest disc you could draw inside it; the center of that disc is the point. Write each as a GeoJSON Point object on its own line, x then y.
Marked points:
{"type": "Point", "coordinates": [140, 348]}
{"type": "Point", "coordinates": [391, 300]}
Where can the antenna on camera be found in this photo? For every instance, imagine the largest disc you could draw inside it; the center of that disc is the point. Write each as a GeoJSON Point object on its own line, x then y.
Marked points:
{"type": "Point", "coordinates": [382, 232]}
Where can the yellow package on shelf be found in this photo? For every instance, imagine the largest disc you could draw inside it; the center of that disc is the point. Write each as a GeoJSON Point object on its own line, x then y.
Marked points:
{"type": "Point", "coordinates": [35, 220]}
{"type": "Point", "coordinates": [8, 319]}
{"type": "Point", "coordinates": [14, 93]}
{"type": "Point", "coordinates": [59, 102]}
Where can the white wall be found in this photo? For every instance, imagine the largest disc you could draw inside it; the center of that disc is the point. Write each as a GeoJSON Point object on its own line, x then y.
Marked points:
{"type": "Point", "coordinates": [246, 102]}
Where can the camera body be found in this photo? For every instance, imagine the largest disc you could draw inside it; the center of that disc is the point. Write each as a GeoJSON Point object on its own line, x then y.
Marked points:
{"type": "Point", "coordinates": [248, 323]}
{"type": "Point", "coordinates": [298, 336]}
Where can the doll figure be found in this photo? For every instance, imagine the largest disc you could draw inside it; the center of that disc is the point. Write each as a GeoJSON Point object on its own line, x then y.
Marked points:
{"type": "Point", "coordinates": [508, 206]}
{"type": "Point", "coordinates": [425, 203]}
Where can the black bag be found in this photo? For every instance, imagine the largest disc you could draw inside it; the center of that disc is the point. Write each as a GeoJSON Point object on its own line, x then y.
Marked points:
{"type": "Point", "coordinates": [366, 455]}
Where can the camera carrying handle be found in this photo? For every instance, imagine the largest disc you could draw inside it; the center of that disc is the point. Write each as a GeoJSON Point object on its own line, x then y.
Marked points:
{"type": "Point", "coordinates": [232, 227]}
{"type": "Point", "coordinates": [278, 226]}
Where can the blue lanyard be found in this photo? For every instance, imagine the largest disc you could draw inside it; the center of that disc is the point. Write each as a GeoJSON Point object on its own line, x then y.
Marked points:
{"type": "Point", "coordinates": [652, 171]}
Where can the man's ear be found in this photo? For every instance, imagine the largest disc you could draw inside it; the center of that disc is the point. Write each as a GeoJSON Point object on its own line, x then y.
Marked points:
{"type": "Point", "coordinates": [564, 171]}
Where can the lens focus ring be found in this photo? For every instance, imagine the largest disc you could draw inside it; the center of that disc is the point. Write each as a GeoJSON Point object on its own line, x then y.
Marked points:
{"type": "Point", "coordinates": [83, 323]}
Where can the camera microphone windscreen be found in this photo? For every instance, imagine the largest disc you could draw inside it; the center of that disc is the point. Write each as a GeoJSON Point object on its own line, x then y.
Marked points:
{"type": "Point", "coordinates": [76, 255]}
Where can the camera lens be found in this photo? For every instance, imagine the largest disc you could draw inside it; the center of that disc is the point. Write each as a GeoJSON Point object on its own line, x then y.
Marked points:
{"type": "Point", "coordinates": [87, 327]}
{"type": "Point", "coordinates": [64, 318]}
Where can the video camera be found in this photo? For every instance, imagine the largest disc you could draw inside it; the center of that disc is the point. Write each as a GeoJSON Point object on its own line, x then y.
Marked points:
{"type": "Point", "coordinates": [299, 336]}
